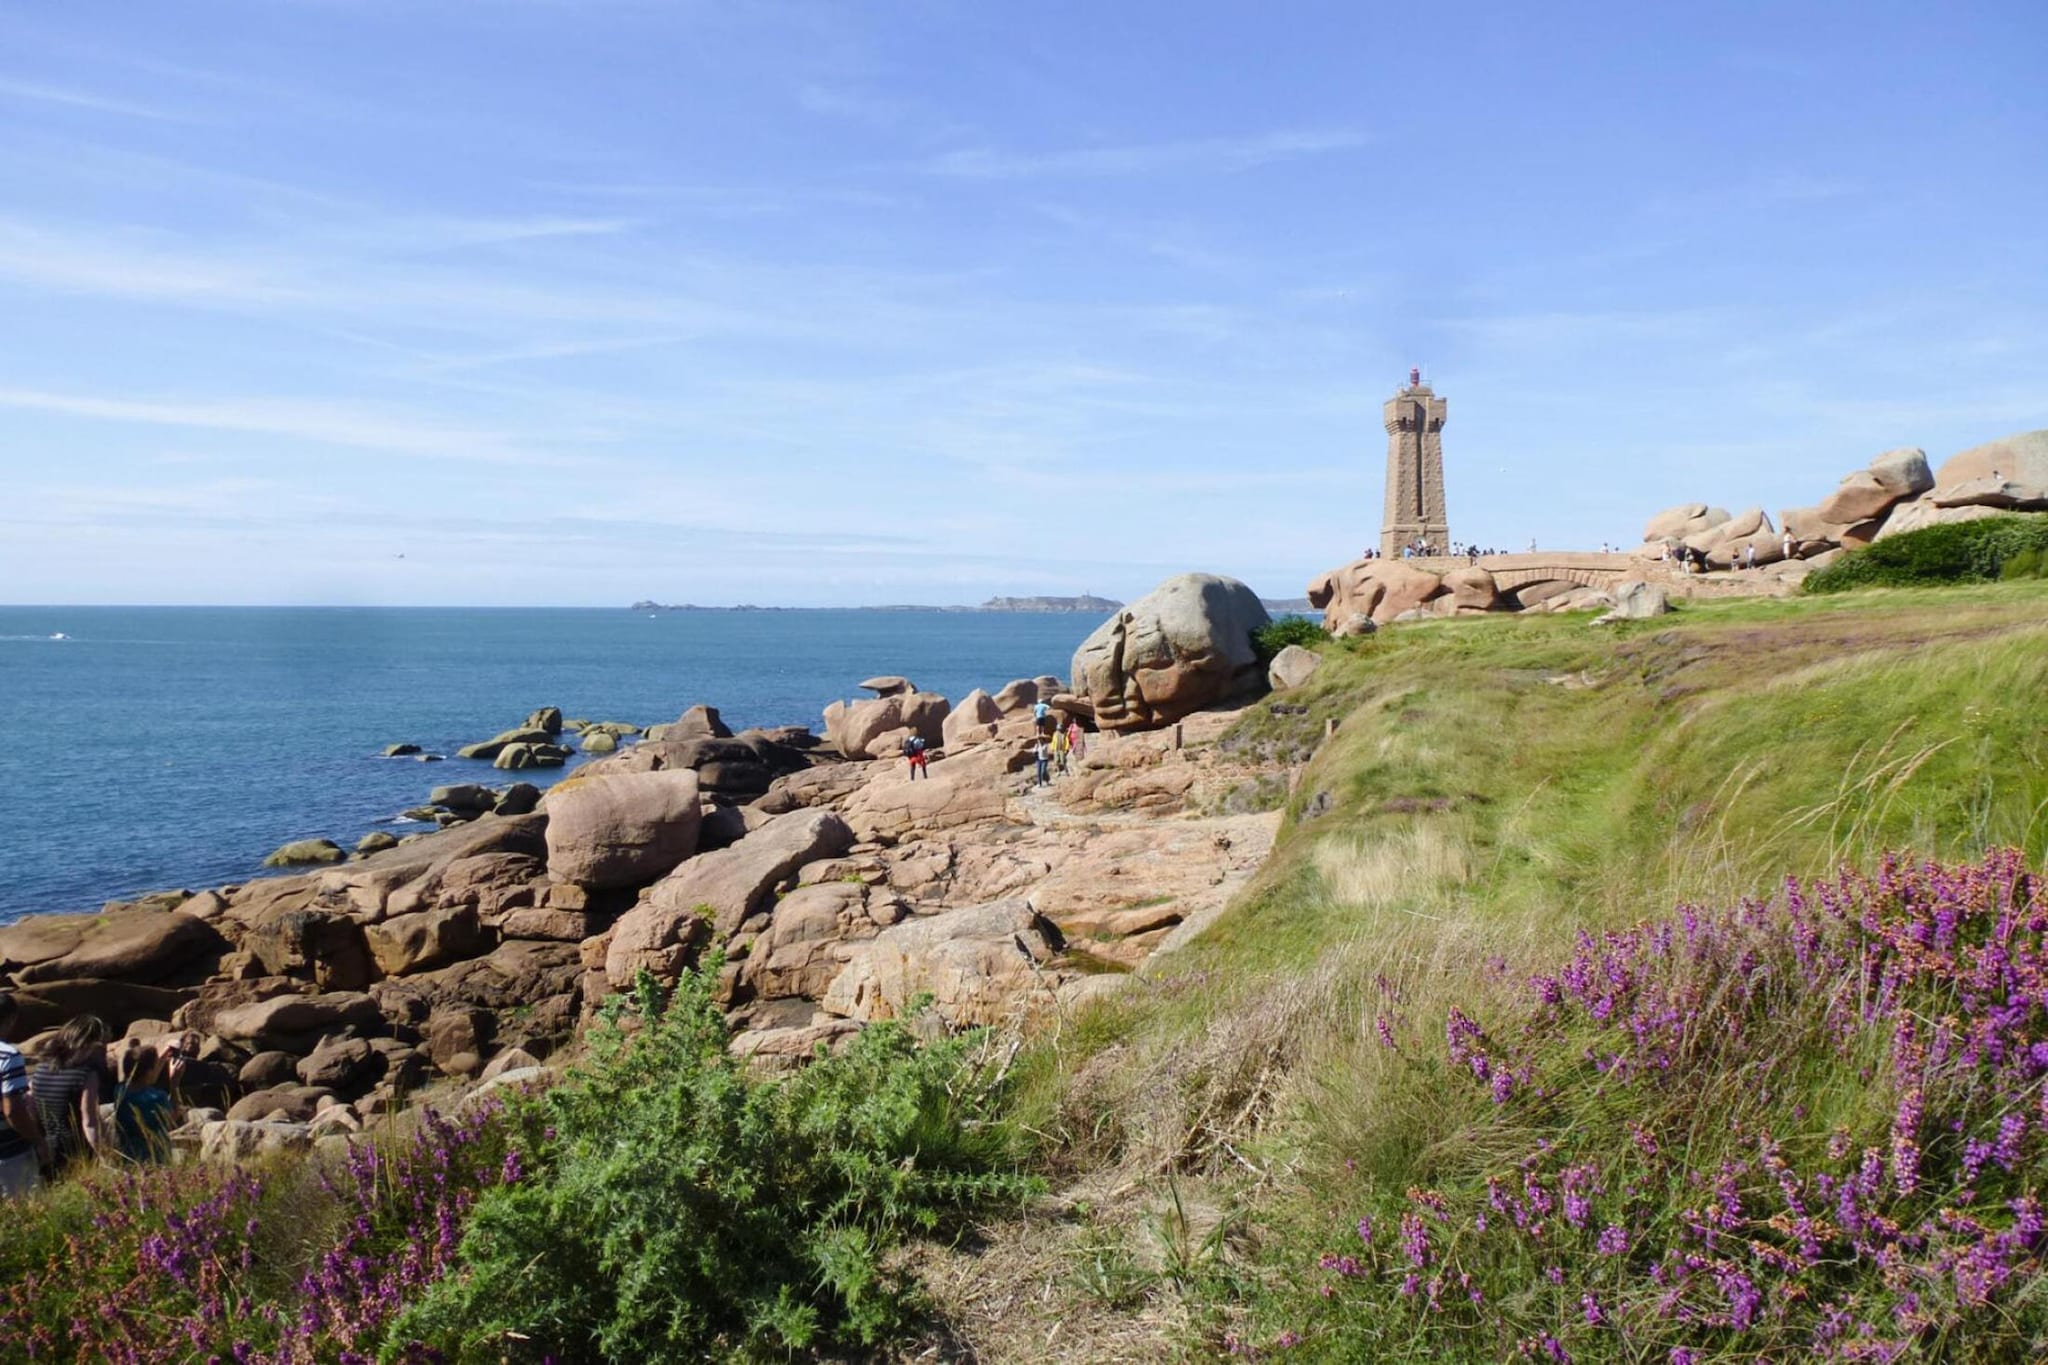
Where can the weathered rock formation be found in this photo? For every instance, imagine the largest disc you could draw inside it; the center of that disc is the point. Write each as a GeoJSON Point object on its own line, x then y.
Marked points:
{"type": "Point", "coordinates": [1184, 646]}
{"type": "Point", "coordinates": [1895, 493]}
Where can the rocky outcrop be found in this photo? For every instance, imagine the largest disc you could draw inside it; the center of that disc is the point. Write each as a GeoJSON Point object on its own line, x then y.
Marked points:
{"type": "Point", "coordinates": [409, 877]}
{"type": "Point", "coordinates": [983, 965]}
{"type": "Point", "coordinates": [713, 895]}
{"type": "Point", "coordinates": [972, 721]}
{"type": "Point", "coordinates": [622, 830]}
{"type": "Point", "coordinates": [144, 946]}
{"type": "Point", "coordinates": [871, 729]}
{"type": "Point", "coordinates": [963, 789]}
{"type": "Point", "coordinates": [813, 933]}
{"type": "Point", "coordinates": [1895, 493]}
{"type": "Point", "coordinates": [2020, 459]}
{"type": "Point", "coordinates": [1869, 493]}
{"type": "Point", "coordinates": [306, 853]}
{"type": "Point", "coordinates": [1184, 646]}
{"type": "Point", "coordinates": [1379, 590]}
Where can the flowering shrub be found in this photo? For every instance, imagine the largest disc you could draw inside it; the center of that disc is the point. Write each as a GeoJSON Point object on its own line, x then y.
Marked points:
{"type": "Point", "coordinates": [1814, 1126]}
{"type": "Point", "coordinates": [165, 1264]}
{"type": "Point", "coordinates": [680, 1209]}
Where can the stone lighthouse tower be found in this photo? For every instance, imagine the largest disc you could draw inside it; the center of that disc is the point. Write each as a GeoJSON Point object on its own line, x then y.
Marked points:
{"type": "Point", "coordinates": [1415, 470]}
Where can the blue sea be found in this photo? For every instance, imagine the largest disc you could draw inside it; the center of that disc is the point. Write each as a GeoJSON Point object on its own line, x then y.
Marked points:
{"type": "Point", "coordinates": [162, 747]}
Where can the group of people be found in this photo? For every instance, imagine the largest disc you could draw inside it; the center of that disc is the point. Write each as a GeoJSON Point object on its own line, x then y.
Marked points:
{"type": "Point", "coordinates": [1056, 745]}
{"type": "Point", "coordinates": [1692, 560]}
{"type": "Point", "coordinates": [78, 1104]}
{"type": "Point", "coordinates": [1423, 549]}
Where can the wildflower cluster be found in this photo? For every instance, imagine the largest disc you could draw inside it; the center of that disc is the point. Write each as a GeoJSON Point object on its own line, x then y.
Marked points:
{"type": "Point", "coordinates": [163, 1264]}
{"type": "Point", "coordinates": [1813, 1124]}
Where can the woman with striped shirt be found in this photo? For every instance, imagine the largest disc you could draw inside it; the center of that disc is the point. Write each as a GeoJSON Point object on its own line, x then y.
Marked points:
{"type": "Point", "coordinates": [67, 1089]}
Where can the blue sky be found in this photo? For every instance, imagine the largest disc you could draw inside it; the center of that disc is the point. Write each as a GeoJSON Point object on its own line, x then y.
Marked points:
{"type": "Point", "coordinates": [577, 302]}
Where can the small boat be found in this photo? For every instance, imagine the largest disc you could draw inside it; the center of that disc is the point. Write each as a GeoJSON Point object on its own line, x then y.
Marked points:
{"type": "Point", "coordinates": [60, 635]}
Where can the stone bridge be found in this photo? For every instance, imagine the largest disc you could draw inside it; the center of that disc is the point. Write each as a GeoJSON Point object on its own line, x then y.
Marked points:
{"type": "Point", "coordinates": [1588, 569]}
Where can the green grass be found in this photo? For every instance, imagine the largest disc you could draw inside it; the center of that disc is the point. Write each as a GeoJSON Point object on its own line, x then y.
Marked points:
{"type": "Point", "coordinates": [1495, 785]}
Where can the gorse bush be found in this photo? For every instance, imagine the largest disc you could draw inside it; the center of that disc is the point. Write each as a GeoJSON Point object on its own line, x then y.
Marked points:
{"type": "Point", "coordinates": [1959, 552]}
{"type": "Point", "coordinates": [1268, 640]}
{"type": "Point", "coordinates": [1814, 1127]}
{"type": "Point", "coordinates": [679, 1209]}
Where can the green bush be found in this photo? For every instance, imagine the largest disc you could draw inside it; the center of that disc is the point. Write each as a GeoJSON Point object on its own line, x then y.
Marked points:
{"type": "Point", "coordinates": [680, 1208]}
{"type": "Point", "coordinates": [1958, 552]}
{"type": "Point", "coordinates": [1268, 640]}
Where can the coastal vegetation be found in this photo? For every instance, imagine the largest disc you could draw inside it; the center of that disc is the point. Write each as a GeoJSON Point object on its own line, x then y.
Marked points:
{"type": "Point", "coordinates": [1999, 547]}
{"type": "Point", "coordinates": [1401, 1027]}
{"type": "Point", "coordinates": [1666, 991]}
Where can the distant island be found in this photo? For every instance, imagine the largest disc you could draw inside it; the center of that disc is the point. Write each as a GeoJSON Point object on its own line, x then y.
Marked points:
{"type": "Point", "coordinates": [1097, 606]}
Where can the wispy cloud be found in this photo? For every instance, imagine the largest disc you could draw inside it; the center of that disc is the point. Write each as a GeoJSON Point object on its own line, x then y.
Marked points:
{"type": "Point", "coordinates": [313, 421]}
{"type": "Point", "coordinates": [1223, 154]}
{"type": "Point", "coordinates": [34, 93]}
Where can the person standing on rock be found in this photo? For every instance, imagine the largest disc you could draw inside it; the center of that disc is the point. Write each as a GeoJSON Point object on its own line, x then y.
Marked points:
{"type": "Point", "coordinates": [1041, 715]}
{"type": "Point", "coordinates": [67, 1090]}
{"type": "Point", "coordinates": [1042, 752]}
{"type": "Point", "coordinates": [1076, 740]}
{"type": "Point", "coordinates": [1061, 746]}
{"type": "Point", "coordinates": [23, 1148]}
{"type": "Point", "coordinates": [1788, 544]}
{"type": "Point", "coordinates": [914, 750]}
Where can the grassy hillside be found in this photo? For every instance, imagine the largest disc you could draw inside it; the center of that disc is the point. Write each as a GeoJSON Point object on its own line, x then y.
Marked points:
{"type": "Point", "coordinates": [1494, 787]}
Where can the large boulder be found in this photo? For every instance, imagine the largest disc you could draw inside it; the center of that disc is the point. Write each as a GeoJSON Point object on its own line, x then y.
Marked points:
{"type": "Point", "coordinates": [1379, 590]}
{"type": "Point", "coordinates": [284, 1019]}
{"type": "Point", "coordinates": [699, 722]}
{"type": "Point", "coordinates": [498, 743]}
{"type": "Point", "coordinates": [232, 1142]}
{"type": "Point", "coordinates": [125, 945]}
{"type": "Point", "coordinates": [1869, 493]}
{"type": "Point", "coordinates": [2021, 459]}
{"type": "Point", "coordinates": [1471, 589]}
{"type": "Point", "coordinates": [1923, 511]}
{"type": "Point", "coordinates": [1018, 696]}
{"type": "Point", "coordinates": [623, 830]}
{"type": "Point", "coordinates": [323, 946]}
{"type": "Point", "coordinates": [1636, 601]}
{"type": "Point", "coordinates": [1185, 645]}
{"type": "Point", "coordinates": [547, 720]}
{"type": "Point", "coordinates": [1292, 667]}
{"type": "Point", "coordinates": [1738, 527]}
{"type": "Point", "coordinates": [888, 685]}
{"type": "Point", "coordinates": [973, 720]}
{"type": "Point", "coordinates": [854, 728]}
{"type": "Point", "coordinates": [1992, 491]}
{"type": "Point", "coordinates": [813, 934]}
{"type": "Point", "coordinates": [1686, 519]}
{"type": "Point", "coordinates": [305, 853]}
{"type": "Point", "coordinates": [983, 965]}
{"type": "Point", "coordinates": [408, 878]}
{"type": "Point", "coordinates": [718, 891]}
{"type": "Point", "coordinates": [426, 939]}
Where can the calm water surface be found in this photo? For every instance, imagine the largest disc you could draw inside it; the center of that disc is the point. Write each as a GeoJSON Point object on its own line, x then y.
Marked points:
{"type": "Point", "coordinates": [174, 747]}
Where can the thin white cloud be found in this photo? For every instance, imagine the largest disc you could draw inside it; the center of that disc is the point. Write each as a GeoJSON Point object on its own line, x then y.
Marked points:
{"type": "Point", "coordinates": [310, 420]}
{"type": "Point", "coordinates": [1138, 158]}
{"type": "Point", "coordinates": [34, 93]}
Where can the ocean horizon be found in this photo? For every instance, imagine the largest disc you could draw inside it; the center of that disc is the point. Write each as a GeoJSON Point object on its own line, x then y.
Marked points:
{"type": "Point", "coordinates": [173, 747]}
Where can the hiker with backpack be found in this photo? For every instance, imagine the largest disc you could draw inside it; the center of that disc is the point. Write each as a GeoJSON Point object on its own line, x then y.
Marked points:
{"type": "Point", "coordinates": [914, 750]}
